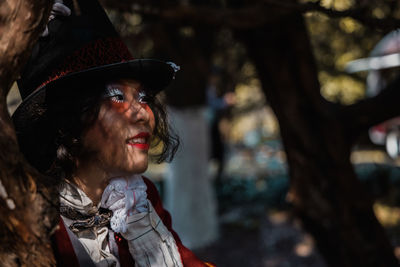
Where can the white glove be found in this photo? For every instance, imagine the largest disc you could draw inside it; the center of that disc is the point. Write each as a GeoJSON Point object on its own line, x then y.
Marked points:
{"type": "Point", "coordinates": [150, 242]}
{"type": "Point", "coordinates": [124, 197]}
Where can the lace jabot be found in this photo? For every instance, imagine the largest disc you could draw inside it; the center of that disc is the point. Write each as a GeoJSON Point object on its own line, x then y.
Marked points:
{"type": "Point", "coordinates": [88, 222]}
{"type": "Point", "coordinates": [77, 207]}
{"type": "Point", "coordinates": [150, 242]}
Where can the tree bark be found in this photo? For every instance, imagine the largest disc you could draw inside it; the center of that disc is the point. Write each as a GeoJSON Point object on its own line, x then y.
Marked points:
{"type": "Point", "coordinates": [27, 214]}
{"type": "Point", "coordinates": [325, 191]}
{"type": "Point", "coordinates": [192, 51]}
{"type": "Point", "coordinates": [372, 111]}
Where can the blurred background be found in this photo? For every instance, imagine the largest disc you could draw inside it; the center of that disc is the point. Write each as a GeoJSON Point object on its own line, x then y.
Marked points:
{"type": "Point", "coordinates": [227, 186]}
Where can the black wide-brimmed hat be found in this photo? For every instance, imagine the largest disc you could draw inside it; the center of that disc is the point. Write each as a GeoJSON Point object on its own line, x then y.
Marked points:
{"type": "Point", "coordinates": [81, 45]}
{"type": "Point", "coordinates": [78, 53]}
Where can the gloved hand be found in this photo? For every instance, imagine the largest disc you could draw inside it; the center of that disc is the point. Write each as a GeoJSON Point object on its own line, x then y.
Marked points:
{"type": "Point", "coordinates": [124, 197]}
{"type": "Point", "coordinates": [150, 242]}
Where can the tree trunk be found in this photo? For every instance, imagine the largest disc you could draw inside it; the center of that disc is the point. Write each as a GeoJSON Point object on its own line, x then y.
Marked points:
{"type": "Point", "coordinates": [27, 216]}
{"type": "Point", "coordinates": [317, 136]}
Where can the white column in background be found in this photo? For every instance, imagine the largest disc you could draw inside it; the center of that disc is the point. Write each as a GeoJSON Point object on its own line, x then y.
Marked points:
{"type": "Point", "coordinates": [189, 194]}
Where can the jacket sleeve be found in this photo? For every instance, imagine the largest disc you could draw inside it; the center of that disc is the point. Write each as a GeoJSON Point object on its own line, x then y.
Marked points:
{"type": "Point", "coordinates": [189, 259]}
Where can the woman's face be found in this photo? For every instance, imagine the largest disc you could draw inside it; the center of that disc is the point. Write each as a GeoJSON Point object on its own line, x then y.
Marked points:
{"type": "Point", "coordinates": [121, 135]}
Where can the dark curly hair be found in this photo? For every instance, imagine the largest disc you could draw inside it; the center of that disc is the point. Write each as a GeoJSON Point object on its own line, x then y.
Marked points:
{"type": "Point", "coordinates": [54, 142]}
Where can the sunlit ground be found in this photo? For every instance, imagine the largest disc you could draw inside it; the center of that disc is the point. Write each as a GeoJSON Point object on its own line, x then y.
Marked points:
{"type": "Point", "coordinates": [271, 240]}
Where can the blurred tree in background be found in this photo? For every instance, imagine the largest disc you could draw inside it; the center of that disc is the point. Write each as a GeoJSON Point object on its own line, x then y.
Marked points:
{"type": "Point", "coordinates": [296, 51]}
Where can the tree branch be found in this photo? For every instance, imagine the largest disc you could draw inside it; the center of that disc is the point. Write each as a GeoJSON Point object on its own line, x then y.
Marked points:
{"type": "Point", "coordinates": [247, 17]}
{"type": "Point", "coordinates": [372, 111]}
{"type": "Point", "coordinates": [359, 14]}
{"type": "Point", "coordinates": [243, 18]}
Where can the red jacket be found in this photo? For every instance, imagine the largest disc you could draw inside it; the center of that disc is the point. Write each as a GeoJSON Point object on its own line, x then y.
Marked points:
{"type": "Point", "coordinates": [65, 255]}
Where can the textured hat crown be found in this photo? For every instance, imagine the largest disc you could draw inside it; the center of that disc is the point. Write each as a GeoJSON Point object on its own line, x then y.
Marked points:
{"type": "Point", "coordinates": [73, 41]}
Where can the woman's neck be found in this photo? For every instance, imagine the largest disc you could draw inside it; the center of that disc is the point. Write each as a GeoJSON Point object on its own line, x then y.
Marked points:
{"type": "Point", "coordinates": [92, 181]}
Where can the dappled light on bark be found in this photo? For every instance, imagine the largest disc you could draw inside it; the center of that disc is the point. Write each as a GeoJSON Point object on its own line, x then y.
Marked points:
{"type": "Point", "coordinates": [27, 200]}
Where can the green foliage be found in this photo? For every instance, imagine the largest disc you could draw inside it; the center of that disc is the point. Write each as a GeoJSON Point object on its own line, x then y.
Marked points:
{"type": "Point", "coordinates": [336, 41]}
{"type": "Point", "coordinates": [269, 192]}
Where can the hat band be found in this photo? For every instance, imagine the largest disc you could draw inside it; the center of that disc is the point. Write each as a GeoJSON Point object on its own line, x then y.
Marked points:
{"type": "Point", "coordinates": [95, 54]}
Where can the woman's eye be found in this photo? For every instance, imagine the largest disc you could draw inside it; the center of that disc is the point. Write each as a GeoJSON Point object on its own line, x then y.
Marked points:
{"type": "Point", "coordinates": [142, 97]}
{"type": "Point", "coordinates": [118, 98]}
{"type": "Point", "coordinates": [115, 95]}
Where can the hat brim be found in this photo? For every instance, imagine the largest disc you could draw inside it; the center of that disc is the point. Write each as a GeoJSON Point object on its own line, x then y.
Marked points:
{"type": "Point", "coordinates": [155, 75]}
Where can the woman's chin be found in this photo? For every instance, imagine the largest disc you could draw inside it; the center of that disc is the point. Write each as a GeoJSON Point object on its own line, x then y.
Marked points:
{"type": "Point", "coordinates": [140, 169]}
{"type": "Point", "coordinates": [137, 168]}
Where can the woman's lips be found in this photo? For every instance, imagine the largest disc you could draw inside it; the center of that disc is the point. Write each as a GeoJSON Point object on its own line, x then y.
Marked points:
{"type": "Point", "coordinates": [141, 146]}
{"type": "Point", "coordinates": [140, 141]}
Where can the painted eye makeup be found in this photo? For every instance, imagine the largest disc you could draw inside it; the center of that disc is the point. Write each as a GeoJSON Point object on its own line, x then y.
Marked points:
{"type": "Point", "coordinates": [114, 94]}
{"type": "Point", "coordinates": [142, 97]}
{"type": "Point", "coordinates": [120, 95]}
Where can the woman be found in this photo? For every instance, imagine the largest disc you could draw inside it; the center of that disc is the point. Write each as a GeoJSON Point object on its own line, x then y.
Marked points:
{"type": "Point", "coordinates": [88, 118]}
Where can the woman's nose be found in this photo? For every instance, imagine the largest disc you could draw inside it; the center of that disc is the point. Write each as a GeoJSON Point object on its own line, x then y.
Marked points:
{"type": "Point", "coordinates": [138, 111]}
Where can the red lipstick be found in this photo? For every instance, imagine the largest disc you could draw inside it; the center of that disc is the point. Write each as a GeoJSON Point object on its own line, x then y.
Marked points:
{"type": "Point", "coordinates": [140, 141]}
{"type": "Point", "coordinates": [141, 146]}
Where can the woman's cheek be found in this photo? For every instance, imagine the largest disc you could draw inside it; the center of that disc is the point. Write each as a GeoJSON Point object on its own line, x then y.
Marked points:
{"type": "Point", "coordinates": [119, 107]}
